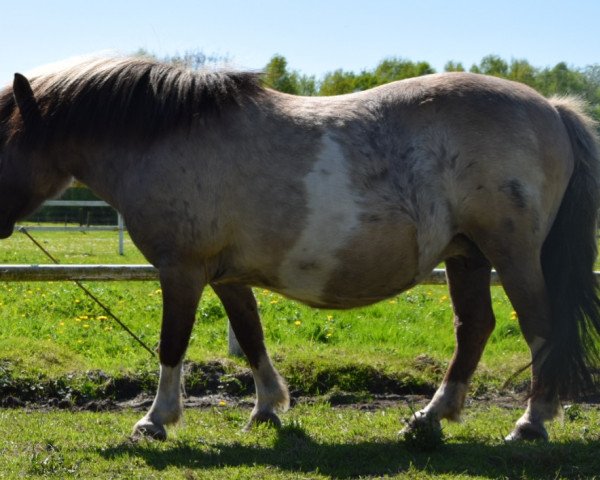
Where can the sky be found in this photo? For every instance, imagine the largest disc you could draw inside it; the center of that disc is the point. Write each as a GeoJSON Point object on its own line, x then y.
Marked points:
{"type": "Point", "coordinates": [315, 36]}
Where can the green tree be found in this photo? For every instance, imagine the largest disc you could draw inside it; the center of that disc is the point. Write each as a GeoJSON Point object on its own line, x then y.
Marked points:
{"type": "Point", "coordinates": [392, 69]}
{"type": "Point", "coordinates": [453, 66]}
{"type": "Point", "coordinates": [491, 65]}
{"type": "Point", "coordinates": [307, 85]}
{"type": "Point", "coordinates": [278, 77]}
{"type": "Point", "coordinates": [522, 71]}
{"type": "Point", "coordinates": [338, 82]}
{"type": "Point", "coordinates": [592, 75]}
{"type": "Point", "coordinates": [388, 70]}
{"type": "Point", "coordinates": [562, 80]}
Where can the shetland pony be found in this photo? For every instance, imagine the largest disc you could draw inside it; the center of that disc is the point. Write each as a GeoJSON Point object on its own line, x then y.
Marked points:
{"type": "Point", "coordinates": [337, 202]}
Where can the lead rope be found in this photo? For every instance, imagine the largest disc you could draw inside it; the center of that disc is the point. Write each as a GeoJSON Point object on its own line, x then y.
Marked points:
{"type": "Point", "coordinates": [90, 294]}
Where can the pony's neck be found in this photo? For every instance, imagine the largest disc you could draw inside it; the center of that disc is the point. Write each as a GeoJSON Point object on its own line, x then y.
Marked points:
{"type": "Point", "coordinates": [97, 166]}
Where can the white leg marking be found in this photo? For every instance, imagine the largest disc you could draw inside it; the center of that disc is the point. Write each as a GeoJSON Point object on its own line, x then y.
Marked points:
{"type": "Point", "coordinates": [447, 402]}
{"type": "Point", "coordinates": [271, 391]}
{"type": "Point", "coordinates": [333, 215]}
{"type": "Point", "coordinates": [531, 424]}
{"type": "Point", "coordinates": [167, 406]}
{"type": "Point", "coordinates": [540, 411]}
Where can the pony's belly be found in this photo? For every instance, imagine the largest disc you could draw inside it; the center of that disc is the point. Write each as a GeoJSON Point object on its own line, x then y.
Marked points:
{"type": "Point", "coordinates": [346, 299]}
{"type": "Point", "coordinates": [351, 284]}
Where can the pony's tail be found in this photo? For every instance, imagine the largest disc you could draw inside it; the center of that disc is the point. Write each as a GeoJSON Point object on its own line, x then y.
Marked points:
{"type": "Point", "coordinates": [572, 359]}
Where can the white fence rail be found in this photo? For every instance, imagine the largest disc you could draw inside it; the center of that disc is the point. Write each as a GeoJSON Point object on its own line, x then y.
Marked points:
{"type": "Point", "coordinates": [57, 273]}
{"type": "Point", "coordinates": [101, 273]}
{"type": "Point", "coordinates": [143, 272]}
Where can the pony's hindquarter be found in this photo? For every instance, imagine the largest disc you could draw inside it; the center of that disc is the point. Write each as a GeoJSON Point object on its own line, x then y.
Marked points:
{"type": "Point", "coordinates": [559, 297]}
{"type": "Point", "coordinates": [548, 278]}
{"type": "Point", "coordinates": [572, 356]}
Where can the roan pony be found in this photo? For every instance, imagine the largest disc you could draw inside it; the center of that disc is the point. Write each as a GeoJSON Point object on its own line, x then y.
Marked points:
{"type": "Point", "coordinates": [336, 202]}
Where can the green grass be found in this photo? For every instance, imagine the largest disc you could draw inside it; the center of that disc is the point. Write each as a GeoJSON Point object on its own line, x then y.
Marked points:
{"type": "Point", "coordinates": [316, 442]}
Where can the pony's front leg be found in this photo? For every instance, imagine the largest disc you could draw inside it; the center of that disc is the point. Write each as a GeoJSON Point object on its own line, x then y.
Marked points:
{"type": "Point", "coordinates": [271, 391]}
{"type": "Point", "coordinates": [181, 290]}
{"type": "Point", "coordinates": [469, 284]}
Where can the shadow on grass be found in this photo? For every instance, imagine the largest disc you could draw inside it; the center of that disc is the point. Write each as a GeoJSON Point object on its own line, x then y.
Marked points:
{"type": "Point", "coordinates": [295, 451]}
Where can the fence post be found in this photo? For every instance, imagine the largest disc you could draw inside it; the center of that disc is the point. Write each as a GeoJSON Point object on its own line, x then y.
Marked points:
{"type": "Point", "coordinates": [234, 347]}
{"type": "Point", "coordinates": [121, 227]}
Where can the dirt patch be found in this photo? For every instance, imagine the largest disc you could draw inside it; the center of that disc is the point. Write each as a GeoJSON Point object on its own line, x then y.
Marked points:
{"type": "Point", "coordinates": [220, 383]}
{"type": "Point", "coordinates": [142, 402]}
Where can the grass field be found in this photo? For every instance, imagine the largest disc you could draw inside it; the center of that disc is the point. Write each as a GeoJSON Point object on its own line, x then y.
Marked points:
{"type": "Point", "coordinates": [316, 442]}
{"type": "Point", "coordinates": [54, 341]}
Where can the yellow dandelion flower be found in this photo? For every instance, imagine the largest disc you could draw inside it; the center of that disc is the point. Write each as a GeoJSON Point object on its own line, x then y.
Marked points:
{"type": "Point", "coordinates": [392, 302]}
{"type": "Point", "coordinates": [330, 318]}
{"type": "Point", "coordinates": [222, 403]}
{"type": "Point", "coordinates": [329, 334]}
{"type": "Point", "coordinates": [77, 300]}
{"type": "Point", "coordinates": [273, 302]}
{"type": "Point", "coordinates": [297, 323]}
{"type": "Point", "coordinates": [443, 298]}
{"type": "Point", "coordinates": [85, 325]}
{"type": "Point", "coordinates": [157, 291]}
{"type": "Point", "coordinates": [83, 317]}
{"type": "Point", "coordinates": [62, 324]}
{"type": "Point", "coordinates": [102, 318]}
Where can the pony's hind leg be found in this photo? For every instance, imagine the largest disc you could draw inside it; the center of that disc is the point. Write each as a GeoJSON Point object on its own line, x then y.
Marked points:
{"type": "Point", "coordinates": [524, 284]}
{"type": "Point", "coordinates": [271, 391]}
{"type": "Point", "coordinates": [181, 289]}
{"type": "Point", "coordinates": [469, 283]}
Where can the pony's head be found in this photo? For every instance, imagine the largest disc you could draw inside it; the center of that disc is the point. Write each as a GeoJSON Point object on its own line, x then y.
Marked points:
{"type": "Point", "coordinates": [26, 175]}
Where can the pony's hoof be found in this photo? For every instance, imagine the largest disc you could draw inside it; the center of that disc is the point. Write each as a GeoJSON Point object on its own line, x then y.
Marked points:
{"type": "Point", "coordinates": [421, 421]}
{"type": "Point", "coordinates": [267, 418]}
{"type": "Point", "coordinates": [146, 429]}
{"type": "Point", "coordinates": [528, 432]}
{"type": "Point", "coordinates": [423, 432]}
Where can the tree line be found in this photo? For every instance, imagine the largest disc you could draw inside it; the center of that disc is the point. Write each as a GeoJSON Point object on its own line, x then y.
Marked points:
{"type": "Point", "coordinates": [557, 80]}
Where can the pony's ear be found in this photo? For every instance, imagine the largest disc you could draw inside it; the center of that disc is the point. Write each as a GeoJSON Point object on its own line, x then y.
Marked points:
{"type": "Point", "coordinates": [25, 99]}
